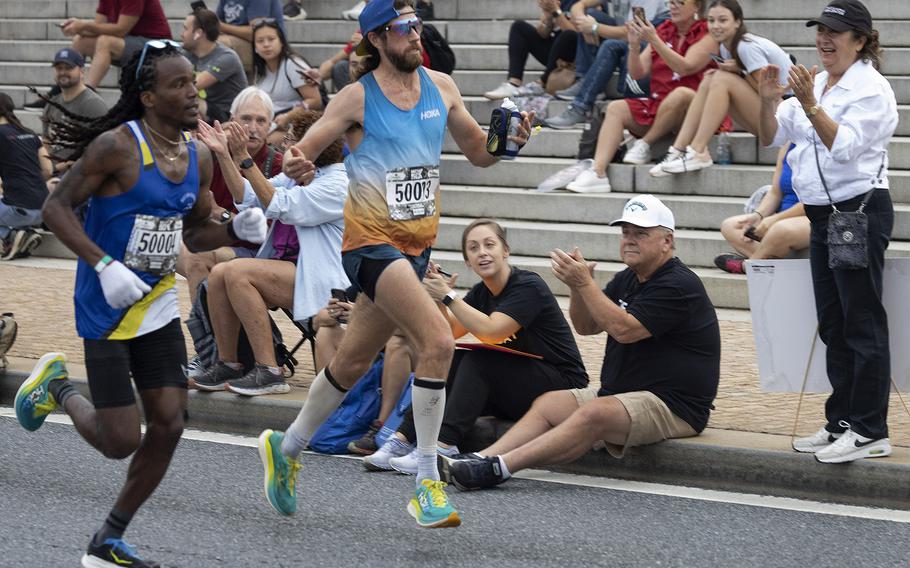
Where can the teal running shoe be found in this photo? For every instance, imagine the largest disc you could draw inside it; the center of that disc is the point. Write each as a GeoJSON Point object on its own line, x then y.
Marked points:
{"type": "Point", "coordinates": [33, 401]}
{"type": "Point", "coordinates": [280, 473]}
{"type": "Point", "coordinates": [430, 506]}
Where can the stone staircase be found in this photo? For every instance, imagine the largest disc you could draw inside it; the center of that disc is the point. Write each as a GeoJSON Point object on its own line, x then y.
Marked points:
{"type": "Point", "coordinates": [537, 222]}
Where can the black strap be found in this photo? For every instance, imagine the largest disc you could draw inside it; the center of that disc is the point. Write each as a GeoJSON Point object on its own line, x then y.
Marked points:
{"type": "Point", "coordinates": [825, 184]}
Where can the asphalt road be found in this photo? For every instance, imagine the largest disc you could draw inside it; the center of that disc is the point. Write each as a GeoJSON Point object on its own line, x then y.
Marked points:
{"type": "Point", "coordinates": [209, 511]}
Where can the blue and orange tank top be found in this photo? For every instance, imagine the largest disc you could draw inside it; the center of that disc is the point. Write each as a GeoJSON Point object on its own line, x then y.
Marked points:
{"type": "Point", "coordinates": [142, 228]}
{"type": "Point", "coordinates": [393, 197]}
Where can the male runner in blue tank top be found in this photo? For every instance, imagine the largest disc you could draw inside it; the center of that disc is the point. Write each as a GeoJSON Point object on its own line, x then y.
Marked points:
{"type": "Point", "coordinates": [141, 175]}
{"type": "Point", "coordinates": [394, 119]}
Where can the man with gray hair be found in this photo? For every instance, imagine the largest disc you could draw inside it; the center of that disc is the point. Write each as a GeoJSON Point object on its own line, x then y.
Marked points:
{"type": "Point", "coordinates": [661, 366]}
{"type": "Point", "coordinates": [252, 109]}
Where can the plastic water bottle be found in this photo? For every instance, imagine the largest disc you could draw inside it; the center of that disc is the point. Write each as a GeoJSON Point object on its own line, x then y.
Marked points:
{"type": "Point", "coordinates": [723, 155]}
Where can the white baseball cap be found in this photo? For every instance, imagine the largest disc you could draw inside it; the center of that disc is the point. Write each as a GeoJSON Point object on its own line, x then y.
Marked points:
{"type": "Point", "coordinates": [646, 211]}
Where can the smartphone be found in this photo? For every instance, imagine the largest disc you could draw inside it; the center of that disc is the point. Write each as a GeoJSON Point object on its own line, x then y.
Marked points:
{"type": "Point", "coordinates": [750, 234]}
{"type": "Point", "coordinates": [197, 5]}
{"type": "Point", "coordinates": [341, 296]}
{"type": "Point", "coordinates": [639, 13]}
{"type": "Point", "coordinates": [717, 58]}
{"type": "Point", "coordinates": [443, 272]}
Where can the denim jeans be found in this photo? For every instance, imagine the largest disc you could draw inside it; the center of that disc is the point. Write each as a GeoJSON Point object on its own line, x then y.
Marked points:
{"type": "Point", "coordinates": [611, 56]}
{"type": "Point", "coordinates": [12, 217]}
{"type": "Point", "coordinates": [584, 51]}
{"type": "Point", "coordinates": [852, 321]}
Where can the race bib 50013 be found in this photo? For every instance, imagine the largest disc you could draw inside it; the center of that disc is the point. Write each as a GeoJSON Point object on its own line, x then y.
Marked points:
{"type": "Point", "coordinates": [411, 192]}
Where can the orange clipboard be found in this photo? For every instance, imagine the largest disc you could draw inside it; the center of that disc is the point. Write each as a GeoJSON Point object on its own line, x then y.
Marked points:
{"type": "Point", "coordinates": [490, 347]}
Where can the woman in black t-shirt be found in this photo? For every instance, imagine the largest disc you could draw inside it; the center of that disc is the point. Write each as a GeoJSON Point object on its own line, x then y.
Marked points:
{"type": "Point", "coordinates": [527, 346]}
{"type": "Point", "coordinates": [24, 166]}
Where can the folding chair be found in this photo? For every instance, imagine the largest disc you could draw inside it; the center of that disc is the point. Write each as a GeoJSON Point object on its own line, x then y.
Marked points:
{"type": "Point", "coordinates": [308, 333]}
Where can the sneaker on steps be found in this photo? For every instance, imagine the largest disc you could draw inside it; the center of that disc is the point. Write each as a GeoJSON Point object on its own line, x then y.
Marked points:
{"type": "Point", "coordinates": [354, 12]}
{"type": "Point", "coordinates": [658, 170]}
{"type": "Point", "coordinates": [691, 161]}
{"type": "Point", "coordinates": [639, 154]}
{"type": "Point", "coordinates": [588, 182]}
{"type": "Point", "coordinates": [818, 441]}
{"type": "Point", "coordinates": [504, 90]}
{"type": "Point", "coordinates": [570, 93]}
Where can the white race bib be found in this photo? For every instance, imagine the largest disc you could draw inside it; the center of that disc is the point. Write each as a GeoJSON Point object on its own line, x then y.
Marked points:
{"type": "Point", "coordinates": [154, 244]}
{"type": "Point", "coordinates": [411, 192]}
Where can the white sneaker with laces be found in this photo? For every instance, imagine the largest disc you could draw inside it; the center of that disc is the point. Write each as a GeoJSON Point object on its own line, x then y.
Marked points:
{"type": "Point", "coordinates": [672, 154]}
{"type": "Point", "coordinates": [565, 175]}
{"type": "Point", "coordinates": [408, 464]}
{"type": "Point", "coordinates": [354, 12]}
{"type": "Point", "coordinates": [588, 182]}
{"type": "Point", "coordinates": [691, 161]}
{"type": "Point", "coordinates": [638, 154]}
{"type": "Point", "coordinates": [392, 448]}
{"type": "Point", "coordinates": [502, 91]}
{"type": "Point", "coordinates": [851, 446]}
{"type": "Point", "coordinates": [820, 440]}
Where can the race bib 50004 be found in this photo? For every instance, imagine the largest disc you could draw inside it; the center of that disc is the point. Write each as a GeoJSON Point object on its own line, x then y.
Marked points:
{"type": "Point", "coordinates": [411, 192]}
{"type": "Point", "coordinates": [154, 244]}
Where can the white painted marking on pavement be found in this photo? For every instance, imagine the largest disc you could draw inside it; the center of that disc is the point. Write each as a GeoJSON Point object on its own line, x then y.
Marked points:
{"type": "Point", "coordinates": [765, 501]}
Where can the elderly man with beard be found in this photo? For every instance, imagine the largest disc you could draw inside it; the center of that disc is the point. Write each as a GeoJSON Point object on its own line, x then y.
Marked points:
{"type": "Point", "coordinates": [394, 119]}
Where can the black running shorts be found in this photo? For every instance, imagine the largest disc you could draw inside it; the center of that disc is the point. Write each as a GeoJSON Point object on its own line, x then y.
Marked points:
{"type": "Point", "coordinates": [154, 360]}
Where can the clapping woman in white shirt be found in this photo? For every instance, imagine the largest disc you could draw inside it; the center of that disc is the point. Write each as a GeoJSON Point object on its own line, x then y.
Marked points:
{"type": "Point", "coordinates": [732, 89]}
{"type": "Point", "coordinates": [841, 120]}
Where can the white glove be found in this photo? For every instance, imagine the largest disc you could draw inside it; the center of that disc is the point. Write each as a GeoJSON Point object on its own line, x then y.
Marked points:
{"type": "Point", "coordinates": [121, 287]}
{"type": "Point", "coordinates": [249, 225]}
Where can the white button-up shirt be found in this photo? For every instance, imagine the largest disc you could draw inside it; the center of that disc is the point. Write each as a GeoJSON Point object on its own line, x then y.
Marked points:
{"type": "Point", "coordinates": [865, 109]}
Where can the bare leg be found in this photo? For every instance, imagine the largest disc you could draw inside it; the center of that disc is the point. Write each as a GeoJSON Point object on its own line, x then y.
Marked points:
{"type": "Point", "coordinates": [670, 114]}
{"type": "Point", "coordinates": [604, 418]}
{"type": "Point", "coordinates": [733, 229]}
{"type": "Point", "coordinates": [85, 44]}
{"type": "Point", "coordinates": [329, 337]}
{"type": "Point", "coordinates": [195, 266]}
{"type": "Point", "coordinates": [253, 286]}
{"type": "Point", "coordinates": [112, 431]}
{"type": "Point", "coordinates": [694, 114]}
{"type": "Point", "coordinates": [729, 94]}
{"type": "Point", "coordinates": [396, 370]}
{"type": "Point", "coordinates": [225, 323]}
{"type": "Point", "coordinates": [617, 118]}
{"type": "Point", "coordinates": [784, 237]}
{"type": "Point", "coordinates": [107, 49]}
{"type": "Point", "coordinates": [548, 411]}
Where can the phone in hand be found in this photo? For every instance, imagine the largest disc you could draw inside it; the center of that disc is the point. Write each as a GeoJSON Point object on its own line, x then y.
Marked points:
{"type": "Point", "coordinates": [341, 296]}
{"type": "Point", "coordinates": [717, 58]}
{"type": "Point", "coordinates": [638, 13]}
{"type": "Point", "coordinates": [750, 234]}
{"type": "Point", "coordinates": [443, 272]}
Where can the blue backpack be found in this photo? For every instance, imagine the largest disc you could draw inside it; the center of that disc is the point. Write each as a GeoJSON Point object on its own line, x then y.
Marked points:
{"type": "Point", "coordinates": [350, 420]}
{"type": "Point", "coordinates": [394, 420]}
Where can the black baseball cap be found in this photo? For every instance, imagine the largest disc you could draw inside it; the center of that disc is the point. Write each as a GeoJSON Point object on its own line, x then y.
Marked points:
{"type": "Point", "coordinates": [70, 56]}
{"type": "Point", "coordinates": [843, 15]}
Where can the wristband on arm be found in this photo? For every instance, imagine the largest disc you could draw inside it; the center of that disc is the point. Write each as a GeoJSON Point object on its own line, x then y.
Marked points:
{"type": "Point", "coordinates": [102, 264]}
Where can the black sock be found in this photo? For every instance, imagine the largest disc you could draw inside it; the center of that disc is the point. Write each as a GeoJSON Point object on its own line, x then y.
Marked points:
{"type": "Point", "coordinates": [61, 390]}
{"type": "Point", "coordinates": [113, 526]}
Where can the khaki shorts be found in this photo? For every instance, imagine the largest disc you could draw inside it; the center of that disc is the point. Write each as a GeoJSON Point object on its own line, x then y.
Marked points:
{"type": "Point", "coordinates": [652, 421]}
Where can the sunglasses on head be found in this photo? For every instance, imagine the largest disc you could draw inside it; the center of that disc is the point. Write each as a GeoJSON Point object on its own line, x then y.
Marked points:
{"type": "Point", "coordinates": [157, 45]}
{"type": "Point", "coordinates": [404, 28]}
{"type": "Point", "coordinates": [271, 22]}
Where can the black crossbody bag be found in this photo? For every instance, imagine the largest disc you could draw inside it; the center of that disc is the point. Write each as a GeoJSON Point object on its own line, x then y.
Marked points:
{"type": "Point", "coordinates": [848, 231]}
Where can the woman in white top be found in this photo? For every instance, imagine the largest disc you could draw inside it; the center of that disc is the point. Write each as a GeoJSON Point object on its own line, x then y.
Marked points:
{"type": "Point", "coordinates": [727, 90]}
{"type": "Point", "coordinates": [841, 121]}
{"type": "Point", "coordinates": [283, 74]}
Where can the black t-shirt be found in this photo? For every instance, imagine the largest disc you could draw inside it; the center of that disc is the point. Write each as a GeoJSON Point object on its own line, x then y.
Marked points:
{"type": "Point", "coordinates": [23, 182]}
{"type": "Point", "coordinates": [680, 362]}
{"type": "Point", "coordinates": [544, 331]}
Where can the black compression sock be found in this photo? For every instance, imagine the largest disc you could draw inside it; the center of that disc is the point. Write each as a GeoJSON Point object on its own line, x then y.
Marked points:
{"type": "Point", "coordinates": [113, 526]}
{"type": "Point", "coordinates": [61, 390]}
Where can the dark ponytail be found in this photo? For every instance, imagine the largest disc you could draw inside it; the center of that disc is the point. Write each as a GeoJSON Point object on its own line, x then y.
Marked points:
{"type": "Point", "coordinates": [737, 12]}
{"type": "Point", "coordinates": [7, 112]}
{"type": "Point", "coordinates": [872, 49]}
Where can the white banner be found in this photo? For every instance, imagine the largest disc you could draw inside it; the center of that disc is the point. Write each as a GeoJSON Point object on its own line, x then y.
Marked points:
{"type": "Point", "coordinates": [784, 324]}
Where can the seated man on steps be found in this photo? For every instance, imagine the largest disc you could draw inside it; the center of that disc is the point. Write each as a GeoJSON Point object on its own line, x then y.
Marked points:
{"type": "Point", "coordinates": [661, 366]}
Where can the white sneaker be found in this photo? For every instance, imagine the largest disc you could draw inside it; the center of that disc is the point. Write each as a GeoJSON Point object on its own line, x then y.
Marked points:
{"type": "Point", "coordinates": [408, 464]}
{"type": "Point", "coordinates": [691, 161]}
{"type": "Point", "coordinates": [820, 440]}
{"type": "Point", "coordinates": [638, 154]}
{"type": "Point", "coordinates": [588, 182]}
{"type": "Point", "coordinates": [195, 368]}
{"type": "Point", "coordinates": [851, 446]}
{"type": "Point", "coordinates": [505, 90]}
{"type": "Point", "coordinates": [565, 175]}
{"type": "Point", "coordinates": [354, 12]}
{"type": "Point", "coordinates": [672, 154]}
{"type": "Point", "coordinates": [392, 448]}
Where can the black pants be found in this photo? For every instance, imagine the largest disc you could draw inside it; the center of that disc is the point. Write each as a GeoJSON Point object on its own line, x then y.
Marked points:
{"type": "Point", "coordinates": [483, 383]}
{"type": "Point", "coordinates": [524, 40]}
{"type": "Point", "coordinates": [852, 321]}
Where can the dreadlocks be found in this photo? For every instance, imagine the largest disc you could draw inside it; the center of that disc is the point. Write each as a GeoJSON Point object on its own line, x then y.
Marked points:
{"type": "Point", "coordinates": [76, 132]}
{"type": "Point", "coordinates": [6, 111]}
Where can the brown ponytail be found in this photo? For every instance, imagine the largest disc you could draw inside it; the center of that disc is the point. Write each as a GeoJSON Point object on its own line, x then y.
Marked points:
{"type": "Point", "coordinates": [872, 49]}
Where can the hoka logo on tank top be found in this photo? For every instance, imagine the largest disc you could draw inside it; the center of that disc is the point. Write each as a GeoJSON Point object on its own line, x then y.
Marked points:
{"type": "Point", "coordinates": [394, 172]}
{"type": "Point", "coordinates": [143, 229]}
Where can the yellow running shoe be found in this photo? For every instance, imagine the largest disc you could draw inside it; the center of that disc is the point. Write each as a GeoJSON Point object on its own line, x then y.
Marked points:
{"type": "Point", "coordinates": [431, 508]}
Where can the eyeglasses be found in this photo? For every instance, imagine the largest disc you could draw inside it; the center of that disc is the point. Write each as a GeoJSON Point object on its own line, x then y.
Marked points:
{"type": "Point", "coordinates": [157, 45]}
{"type": "Point", "coordinates": [404, 28]}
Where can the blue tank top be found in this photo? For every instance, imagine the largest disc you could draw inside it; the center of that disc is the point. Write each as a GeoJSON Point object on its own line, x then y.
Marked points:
{"type": "Point", "coordinates": [788, 196]}
{"type": "Point", "coordinates": [142, 228]}
{"type": "Point", "coordinates": [393, 197]}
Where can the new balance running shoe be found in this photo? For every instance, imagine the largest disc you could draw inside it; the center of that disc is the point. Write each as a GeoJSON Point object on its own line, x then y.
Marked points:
{"type": "Point", "coordinates": [471, 474]}
{"type": "Point", "coordinates": [280, 473]}
{"type": "Point", "coordinates": [114, 552]}
{"type": "Point", "coordinates": [430, 506]}
{"type": "Point", "coordinates": [33, 400]}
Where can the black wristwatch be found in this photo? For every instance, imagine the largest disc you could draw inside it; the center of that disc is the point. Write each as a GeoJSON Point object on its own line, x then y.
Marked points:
{"type": "Point", "coordinates": [557, 12]}
{"type": "Point", "coordinates": [246, 164]}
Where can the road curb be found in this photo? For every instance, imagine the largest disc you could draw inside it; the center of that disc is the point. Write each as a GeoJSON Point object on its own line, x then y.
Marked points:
{"type": "Point", "coordinates": [711, 461]}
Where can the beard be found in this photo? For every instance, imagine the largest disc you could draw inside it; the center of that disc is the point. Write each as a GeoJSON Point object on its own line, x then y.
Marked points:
{"type": "Point", "coordinates": [407, 61]}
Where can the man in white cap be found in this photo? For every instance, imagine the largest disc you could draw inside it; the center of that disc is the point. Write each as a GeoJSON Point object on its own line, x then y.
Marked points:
{"type": "Point", "coordinates": [660, 369]}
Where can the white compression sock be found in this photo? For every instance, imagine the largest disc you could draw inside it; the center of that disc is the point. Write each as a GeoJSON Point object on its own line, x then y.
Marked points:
{"type": "Point", "coordinates": [324, 397]}
{"type": "Point", "coordinates": [428, 397]}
